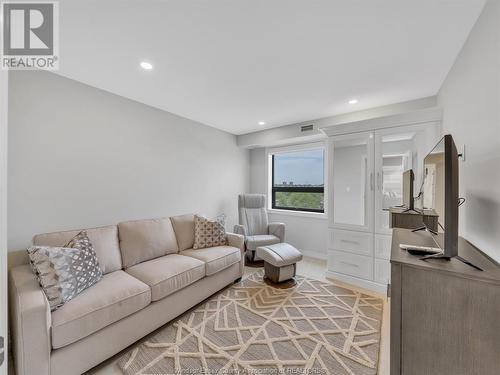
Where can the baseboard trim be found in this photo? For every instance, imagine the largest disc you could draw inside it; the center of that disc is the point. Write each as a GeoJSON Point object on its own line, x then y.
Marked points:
{"type": "Point", "coordinates": [314, 254]}
{"type": "Point", "coordinates": [366, 284]}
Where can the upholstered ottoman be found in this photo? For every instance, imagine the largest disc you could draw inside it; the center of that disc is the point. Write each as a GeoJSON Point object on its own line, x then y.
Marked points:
{"type": "Point", "coordinates": [279, 261]}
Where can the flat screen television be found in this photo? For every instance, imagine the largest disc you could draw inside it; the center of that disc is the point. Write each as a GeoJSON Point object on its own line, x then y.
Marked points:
{"type": "Point", "coordinates": [440, 191]}
{"type": "Point", "coordinates": [408, 180]}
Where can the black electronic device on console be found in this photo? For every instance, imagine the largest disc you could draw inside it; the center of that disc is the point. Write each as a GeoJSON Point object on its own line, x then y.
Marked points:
{"type": "Point", "coordinates": [440, 192]}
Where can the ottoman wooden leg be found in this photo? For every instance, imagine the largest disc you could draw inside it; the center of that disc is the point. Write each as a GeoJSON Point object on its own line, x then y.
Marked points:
{"type": "Point", "coordinates": [280, 277]}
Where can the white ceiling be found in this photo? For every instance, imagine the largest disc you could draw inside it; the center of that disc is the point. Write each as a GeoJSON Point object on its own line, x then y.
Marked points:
{"type": "Point", "coordinates": [232, 63]}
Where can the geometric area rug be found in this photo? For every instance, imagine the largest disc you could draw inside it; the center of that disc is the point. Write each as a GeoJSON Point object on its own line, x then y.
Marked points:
{"type": "Point", "coordinates": [316, 327]}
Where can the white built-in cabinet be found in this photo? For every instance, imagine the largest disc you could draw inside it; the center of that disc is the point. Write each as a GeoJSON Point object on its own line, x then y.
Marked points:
{"type": "Point", "coordinates": [365, 179]}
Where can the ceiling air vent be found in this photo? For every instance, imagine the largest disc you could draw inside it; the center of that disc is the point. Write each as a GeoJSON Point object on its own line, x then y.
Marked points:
{"type": "Point", "coordinates": [306, 128]}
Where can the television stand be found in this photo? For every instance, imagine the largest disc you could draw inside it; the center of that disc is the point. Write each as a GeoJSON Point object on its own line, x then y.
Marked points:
{"type": "Point", "coordinates": [440, 255]}
{"type": "Point", "coordinates": [406, 209]}
{"type": "Point", "coordinates": [445, 305]}
{"type": "Point", "coordinates": [458, 257]}
{"type": "Point", "coordinates": [410, 210]}
{"type": "Point", "coordinates": [425, 228]}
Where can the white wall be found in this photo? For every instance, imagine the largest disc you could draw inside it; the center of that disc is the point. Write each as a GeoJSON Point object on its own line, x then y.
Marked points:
{"type": "Point", "coordinates": [309, 234]}
{"type": "Point", "coordinates": [471, 113]}
{"type": "Point", "coordinates": [258, 170]}
{"type": "Point", "coordinates": [3, 217]}
{"type": "Point", "coordinates": [82, 157]}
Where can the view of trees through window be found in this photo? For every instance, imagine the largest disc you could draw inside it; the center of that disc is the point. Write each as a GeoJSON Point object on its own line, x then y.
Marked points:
{"type": "Point", "coordinates": [298, 180]}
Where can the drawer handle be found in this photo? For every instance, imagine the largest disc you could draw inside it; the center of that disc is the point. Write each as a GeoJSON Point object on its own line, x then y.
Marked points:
{"type": "Point", "coordinates": [349, 264]}
{"type": "Point", "coordinates": [350, 241]}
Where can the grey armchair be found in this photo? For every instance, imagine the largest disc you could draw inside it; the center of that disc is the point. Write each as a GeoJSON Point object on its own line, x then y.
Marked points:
{"type": "Point", "coordinates": [255, 226]}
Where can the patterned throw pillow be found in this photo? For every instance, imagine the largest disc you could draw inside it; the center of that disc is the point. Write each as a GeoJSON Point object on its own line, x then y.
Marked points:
{"type": "Point", "coordinates": [209, 232]}
{"type": "Point", "coordinates": [64, 272]}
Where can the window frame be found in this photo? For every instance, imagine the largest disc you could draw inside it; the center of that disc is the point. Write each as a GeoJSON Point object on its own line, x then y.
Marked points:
{"type": "Point", "coordinates": [272, 190]}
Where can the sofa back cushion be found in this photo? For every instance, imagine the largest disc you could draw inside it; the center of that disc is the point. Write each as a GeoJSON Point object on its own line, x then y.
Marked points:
{"type": "Point", "coordinates": [143, 240]}
{"type": "Point", "coordinates": [103, 239]}
{"type": "Point", "coordinates": [184, 230]}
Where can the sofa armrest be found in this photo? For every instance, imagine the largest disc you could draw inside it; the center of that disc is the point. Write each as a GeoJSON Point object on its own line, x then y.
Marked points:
{"type": "Point", "coordinates": [240, 229]}
{"type": "Point", "coordinates": [238, 240]}
{"type": "Point", "coordinates": [277, 229]}
{"type": "Point", "coordinates": [30, 323]}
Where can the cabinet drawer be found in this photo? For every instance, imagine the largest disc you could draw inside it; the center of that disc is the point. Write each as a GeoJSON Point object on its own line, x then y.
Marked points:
{"type": "Point", "coordinates": [382, 271]}
{"type": "Point", "coordinates": [350, 264]}
{"type": "Point", "coordinates": [353, 242]}
{"type": "Point", "coordinates": [383, 246]}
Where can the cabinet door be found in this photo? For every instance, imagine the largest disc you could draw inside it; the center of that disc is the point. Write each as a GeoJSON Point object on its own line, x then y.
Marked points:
{"type": "Point", "coordinates": [396, 151]}
{"type": "Point", "coordinates": [351, 171]}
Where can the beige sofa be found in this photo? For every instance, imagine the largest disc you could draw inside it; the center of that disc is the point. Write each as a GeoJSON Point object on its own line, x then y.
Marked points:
{"type": "Point", "coordinates": [151, 275]}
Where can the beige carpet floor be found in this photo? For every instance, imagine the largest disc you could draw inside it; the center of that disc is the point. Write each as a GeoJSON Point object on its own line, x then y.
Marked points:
{"type": "Point", "coordinates": [316, 327]}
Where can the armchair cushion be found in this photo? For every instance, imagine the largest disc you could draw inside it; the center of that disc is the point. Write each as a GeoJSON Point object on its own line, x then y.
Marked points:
{"type": "Point", "coordinates": [255, 220]}
{"type": "Point", "coordinates": [277, 229]}
{"type": "Point", "coordinates": [252, 213]}
{"type": "Point", "coordinates": [253, 242]}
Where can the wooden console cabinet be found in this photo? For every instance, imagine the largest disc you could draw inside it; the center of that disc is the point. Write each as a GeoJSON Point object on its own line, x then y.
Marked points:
{"type": "Point", "coordinates": [445, 315]}
{"type": "Point", "coordinates": [412, 219]}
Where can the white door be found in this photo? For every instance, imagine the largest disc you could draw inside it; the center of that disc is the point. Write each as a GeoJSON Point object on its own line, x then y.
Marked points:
{"type": "Point", "coordinates": [351, 174]}
{"type": "Point", "coordinates": [397, 150]}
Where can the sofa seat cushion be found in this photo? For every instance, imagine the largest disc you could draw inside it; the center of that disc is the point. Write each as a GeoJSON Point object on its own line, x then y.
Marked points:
{"type": "Point", "coordinates": [114, 297]}
{"type": "Point", "coordinates": [253, 242]}
{"type": "Point", "coordinates": [168, 274]}
{"type": "Point", "coordinates": [216, 258]}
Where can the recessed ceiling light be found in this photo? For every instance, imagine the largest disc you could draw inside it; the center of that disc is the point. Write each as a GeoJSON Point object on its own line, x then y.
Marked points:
{"type": "Point", "coordinates": [262, 123]}
{"type": "Point", "coordinates": [353, 101]}
{"type": "Point", "coordinates": [146, 66]}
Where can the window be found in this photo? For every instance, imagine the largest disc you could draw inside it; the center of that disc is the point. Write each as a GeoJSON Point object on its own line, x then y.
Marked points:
{"type": "Point", "coordinates": [298, 180]}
